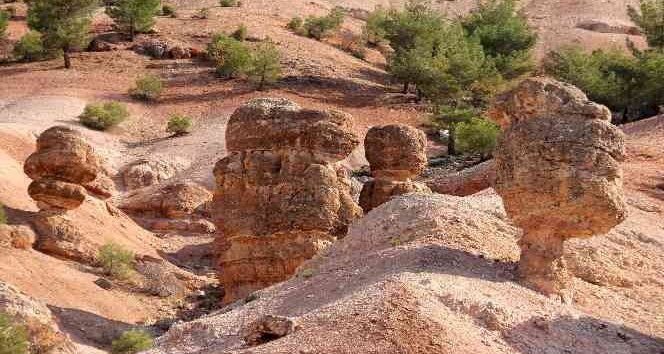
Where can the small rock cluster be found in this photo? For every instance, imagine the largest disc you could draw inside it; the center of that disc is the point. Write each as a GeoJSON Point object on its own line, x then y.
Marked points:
{"type": "Point", "coordinates": [62, 164]}
{"type": "Point", "coordinates": [397, 154]}
{"type": "Point", "coordinates": [280, 197]}
{"type": "Point", "coordinates": [558, 172]}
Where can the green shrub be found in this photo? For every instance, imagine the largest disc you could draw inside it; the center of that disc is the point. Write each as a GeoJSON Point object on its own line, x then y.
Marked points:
{"type": "Point", "coordinates": [319, 27]}
{"type": "Point", "coordinates": [3, 216]}
{"type": "Point", "coordinates": [30, 47]}
{"type": "Point", "coordinates": [4, 23]}
{"type": "Point", "coordinates": [116, 261]}
{"type": "Point", "coordinates": [168, 10]}
{"type": "Point", "coordinates": [229, 3]}
{"type": "Point", "coordinates": [265, 65]}
{"type": "Point", "coordinates": [231, 56]}
{"type": "Point", "coordinates": [134, 16]}
{"type": "Point", "coordinates": [132, 342]}
{"type": "Point", "coordinates": [179, 125]}
{"type": "Point", "coordinates": [148, 87]}
{"type": "Point", "coordinates": [103, 116]}
{"type": "Point", "coordinates": [240, 33]}
{"type": "Point", "coordinates": [203, 13]}
{"type": "Point", "coordinates": [295, 24]}
{"type": "Point", "coordinates": [13, 337]}
{"type": "Point", "coordinates": [374, 30]}
{"type": "Point", "coordinates": [650, 19]}
{"type": "Point", "coordinates": [477, 136]}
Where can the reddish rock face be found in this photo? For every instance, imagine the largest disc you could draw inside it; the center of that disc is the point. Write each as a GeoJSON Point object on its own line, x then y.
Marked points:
{"type": "Point", "coordinates": [63, 154]}
{"type": "Point", "coordinates": [396, 153]}
{"type": "Point", "coordinates": [62, 163]}
{"type": "Point", "coordinates": [58, 194]}
{"type": "Point", "coordinates": [279, 199]}
{"type": "Point", "coordinates": [558, 172]}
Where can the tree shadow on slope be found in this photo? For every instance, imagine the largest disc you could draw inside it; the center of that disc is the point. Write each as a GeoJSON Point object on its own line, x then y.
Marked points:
{"type": "Point", "coordinates": [89, 328]}
{"type": "Point", "coordinates": [336, 280]}
{"type": "Point", "coordinates": [585, 335]}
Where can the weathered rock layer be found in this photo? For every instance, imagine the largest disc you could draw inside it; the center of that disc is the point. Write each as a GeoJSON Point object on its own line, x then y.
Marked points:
{"type": "Point", "coordinates": [279, 198]}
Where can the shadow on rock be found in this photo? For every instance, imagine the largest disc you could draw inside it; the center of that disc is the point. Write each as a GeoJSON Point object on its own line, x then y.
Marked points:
{"type": "Point", "coordinates": [585, 335]}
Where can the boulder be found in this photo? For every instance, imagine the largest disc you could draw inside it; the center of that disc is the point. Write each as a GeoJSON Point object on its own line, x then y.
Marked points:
{"type": "Point", "coordinates": [558, 172]}
{"type": "Point", "coordinates": [172, 201]}
{"type": "Point", "coordinates": [147, 172]}
{"type": "Point", "coordinates": [396, 148]}
{"type": "Point", "coordinates": [57, 194]}
{"type": "Point", "coordinates": [63, 154]}
{"type": "Point", "coordinates": [279, 124]}
{"type": "Point", "coordinates": [396, 153]}
{"type": "Point", "coordinates": [279, 198]}
{"type": "Point", "coordinates": [465, 182]}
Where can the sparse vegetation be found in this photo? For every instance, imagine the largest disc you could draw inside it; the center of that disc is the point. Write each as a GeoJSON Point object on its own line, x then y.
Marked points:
{"type": "Point", "coordinates": [103, 116]}
{"type": "Point", "coordinates": [232, 57]}
{"type": "Point", "coordinates": [13, 336]}
{"type": "Point", "coordinates": [477, 136]}
{"type": "Point", "coordinates": [168, 10]}
{"type": "Point", "coordinates": [29, 47]}
{"type": "Point", "coordinates": [240, 33]}
{"type": "Point", "coordinates": [265, 65]}
{"type": "Point", "coordinates": [148, 88]}
{"type": "Point", "coordinates": [319, 27]}
{"type": "Point", "coordinates": [629, 84]}
{"type": "Point", "coordinates": [203, 13]}
{"type": "Point", "coordinates": [179, 125]}
{"type": "Point", "coordinates": [229, 3]}
{"type": "Point", "coordinates": [295, 24]}
{"type": "Point", "coordinates": [650, 19]}
{"type": "Point", "coordinates": [134, 16]}
{"type": "Point", "coordinates": [64, 25]}
{"type": "Point", "coordinates": [353, 44]}
{"type": "Point", "coordinates": [132, 342]}
{"type": "Point", "coordinates": [116, 261]}
{"type": "Point", "coordinates": [4, 23]}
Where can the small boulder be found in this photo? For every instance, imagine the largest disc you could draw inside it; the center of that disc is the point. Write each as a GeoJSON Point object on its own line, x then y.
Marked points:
{"type": "Point", "coordinates": [269, 328]}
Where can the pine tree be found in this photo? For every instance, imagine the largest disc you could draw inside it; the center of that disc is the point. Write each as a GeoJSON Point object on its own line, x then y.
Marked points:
{"type": "Point", "coordinates": [134, 16]}
{"type": "Point", "coordinates": [265, 67]}
{"type": "Point", "coordinates": [64, 24]}
{"type": "Point", "coordinates": [650, 18]}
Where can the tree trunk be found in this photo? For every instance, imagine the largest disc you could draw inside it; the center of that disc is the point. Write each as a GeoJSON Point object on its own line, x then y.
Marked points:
{"type": "Point", "coordinates": [451, 143]}
{"type": "Point", "coordinates": [261, 84]}
{"type": "Point", "coordinates": [406, 86]}
{"type": "Point", "coordinates": [67, 59]}
{"type": "Point", "coordinates": [132, 30]}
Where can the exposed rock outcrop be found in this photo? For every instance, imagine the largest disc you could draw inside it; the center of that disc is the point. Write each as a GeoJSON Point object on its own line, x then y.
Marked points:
{"type": "Point", "coordinates": [171, 207]}
{"type": "Point", "coordinates": [397, 154]}
{"type": "Point", "coordinates": [44, 334]}
{"type": "Point", "coordinates": [609, 27]}
{"type": "Point", "coordinates": [466, 182]}
{"type": "Point", "coordinates": [558, 172]}
{"type": "Point", "coordinates": [280, 198]}
{"type": "Point", "coordinates": [148, 172]}
{"type": "Point", "coordinates": [62, 163]}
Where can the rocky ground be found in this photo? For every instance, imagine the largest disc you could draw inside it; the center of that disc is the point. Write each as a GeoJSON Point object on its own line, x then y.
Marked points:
{"type": "Point", "coordinates": [419, 275]}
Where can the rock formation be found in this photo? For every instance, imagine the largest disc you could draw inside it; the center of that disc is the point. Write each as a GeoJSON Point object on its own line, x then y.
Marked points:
{"type": "Point", "coordinates": [280, 198]}
{"type": "Point", "coordinates": [63, 162]}
{"type": "Point", "coordinates": [43, 332]}
{"type": "Point", "coordinates": [558, 172]}
{"type": "Point", "coordinates": [465, 182]}
{"type": "Point", "coordinates": [396, 153]}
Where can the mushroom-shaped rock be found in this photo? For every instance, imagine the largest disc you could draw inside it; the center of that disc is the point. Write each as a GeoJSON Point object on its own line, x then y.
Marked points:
{"type": "Point", "coordinates": [396, 153]}
{"type": "Point", "coordinates": [558, 172]}
{"type": "Point", "coordinates": [63, 162]}
{"type": "Point", "coordinates": [63, 154]}
{"type": "Point", "coordinates": [279, 197]}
